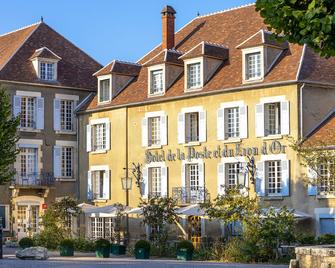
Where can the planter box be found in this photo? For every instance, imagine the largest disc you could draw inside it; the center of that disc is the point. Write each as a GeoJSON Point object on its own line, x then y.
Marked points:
{"type": "Point", "coordinates": [66, 251]}
{"type": "Point", "coordinates": [142, 254]}
{"type": "Point", "coordinates": [118, 249]}
{"type": "Point", "coordinates": [184, 255]}
{"type": "Point", "coordinates": [102, 252]}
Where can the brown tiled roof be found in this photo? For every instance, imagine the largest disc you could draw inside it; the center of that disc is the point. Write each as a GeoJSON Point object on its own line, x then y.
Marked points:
{"type": "Point", "coordinates": [229, 28]}
{"type": "Point", "coordinates": [262, 37]}
{"type": "Point", "coordinates": [166, 56]}
{"type": "Point", "coordinates": [120, 67]}
{"type": "Point", "coordinates": [207, 49]}
{"type": "Point", "coordinates": [75, 68]}
{"type": "Point", "coordinates": [45, 53]}
{"type": "Point", "coordinates": [323, 134]}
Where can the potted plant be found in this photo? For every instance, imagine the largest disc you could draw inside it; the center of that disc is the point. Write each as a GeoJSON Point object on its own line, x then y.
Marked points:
{"type": "Point", "coordinates": [142, 249]}
{"type": "Point", "coordinates": [116, 247]}
{"type": "Point", "coordinates": [102, 248]}
{"type": "Point", "coordinates": [185, 250]}
{"type": "Point", "coordinates": [26, 242]}
{"type": "Point", "coordinates": [66, 247]}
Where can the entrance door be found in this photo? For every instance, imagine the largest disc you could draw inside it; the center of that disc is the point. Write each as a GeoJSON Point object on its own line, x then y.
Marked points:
{"type": "Point", "coordinates": [194, 230]}
{"type": "Point", "coordinates": [27, 220]}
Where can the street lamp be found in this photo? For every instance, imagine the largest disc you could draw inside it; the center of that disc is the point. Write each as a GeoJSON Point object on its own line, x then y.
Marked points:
{"type": "Point", "coordinates": [249, 169]}
{"type": "Point", "coordinates": [126, 186]}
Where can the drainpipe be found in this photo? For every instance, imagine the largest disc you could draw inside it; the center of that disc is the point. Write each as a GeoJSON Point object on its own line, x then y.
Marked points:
{"type": "Point", "coordinates": [301, 113]}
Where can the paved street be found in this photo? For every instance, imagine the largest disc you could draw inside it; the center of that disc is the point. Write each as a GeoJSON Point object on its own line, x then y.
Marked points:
{"type": "Point", "coordinates": [87, 260]}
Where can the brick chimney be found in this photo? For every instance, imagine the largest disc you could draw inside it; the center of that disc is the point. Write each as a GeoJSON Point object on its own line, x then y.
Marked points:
{"type": "Point", "coordinates": [168, 27]}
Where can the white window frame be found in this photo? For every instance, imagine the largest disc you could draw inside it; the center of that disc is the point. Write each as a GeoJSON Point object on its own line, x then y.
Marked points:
{"type": "Point", "coordinates": [47, 61]}
{"type": "Point", "coordinates": [152, 69]}
{"type": "Point", "coordinates": [72, 144]}
{"type": "Point", "coordinates": [163, 130]}
{"type": "Point", "coordinates": [186, 64]}
{"type": "Point", "coordinates": [99, 121]}
{"type": "Point", "coordinates": [104, 168]}
{"type": "Point", "coordinates": [164, 179]}
{"type": "Point", "coordinates": [105, 77]}
{"type": "Point", "coordinates": [252, 50]}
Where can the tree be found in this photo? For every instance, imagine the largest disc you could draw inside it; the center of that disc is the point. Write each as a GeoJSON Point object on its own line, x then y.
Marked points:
{"type": "Point", "coordinates": [310, 22]}
{"type": "Point", "coordinates": [8, 138]}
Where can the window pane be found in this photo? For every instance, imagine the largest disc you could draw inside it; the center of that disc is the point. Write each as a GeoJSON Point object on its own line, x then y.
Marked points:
{"type": "Point", "coordinates": [327, 182]}
{"type": "Point", "coordinates": [156, 82]}
{"type": "Point", "coordinates": [156, 183]}
{"type": "Point", "coordinates": [27, 116]}
{"type": "Point", "coordinates": [327, 226]}
{"type": "Point", "coordinates": [192, 127]}
{"type": "Point", "coordinates": [3, 216]}
{"type": "Point", "coordinates": [154, 131]}
{"type": "Point", "coordinates": [47, 71]}
{"type": "Point", "coordinates": [193, 75]}
{"type": "Point", "coordinates": [99, 137]}
{"type": "Point", "coordinates": [272, 118]}
{"type": "Point", "coordinates": [253, 65]}
{"type": "Point", "coordinates": [98, 183]}
{"type": "Point", "coordinates": [232, 171]}
{"type": "Point", "coordinates": [232, 122]}
{"type": "Point", "coordinates": [193, 176]}
{"type": "Point", "coordinates": [104, 90]}
{"type": "Point", "coordinates": [66, 114]}
{"type": "Point", "coordinates": [67, 159]}
{"type": "Point", "coordinates": [28, 162]}
{"type": "Point", "coordinates": [274, 177]}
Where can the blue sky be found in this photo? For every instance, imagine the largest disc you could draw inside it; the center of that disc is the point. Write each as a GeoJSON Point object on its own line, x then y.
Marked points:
{"type": "Point", "coordinates": [107, 29]}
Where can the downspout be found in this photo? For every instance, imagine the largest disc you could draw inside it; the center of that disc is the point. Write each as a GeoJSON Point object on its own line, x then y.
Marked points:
{"type": "Point", "coordinates": [301, 112]}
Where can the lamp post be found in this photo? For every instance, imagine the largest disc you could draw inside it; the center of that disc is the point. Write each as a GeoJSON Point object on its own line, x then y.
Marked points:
{"type": "Point", "coordinates": [126, 186]}
{"type": "Point", "coordinates": [249, 169]}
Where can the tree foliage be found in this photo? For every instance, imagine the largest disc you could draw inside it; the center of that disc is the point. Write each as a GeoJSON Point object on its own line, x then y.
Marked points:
{"type": "Point", "coordinates": [310, 22]}
{"type": "Point", "coordinates": [8, 138]}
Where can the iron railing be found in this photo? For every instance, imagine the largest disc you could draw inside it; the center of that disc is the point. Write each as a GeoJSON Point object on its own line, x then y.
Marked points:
{"type": "Point", "coordinates": [34, 179]}
{"type": "Point", "coordinates": [190, 195]}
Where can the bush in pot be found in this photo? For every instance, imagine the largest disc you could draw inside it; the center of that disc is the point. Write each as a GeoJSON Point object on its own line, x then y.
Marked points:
{"type": "Point", "coordinates": [142, 249]}
{"type": "Point", "coordinates": [102, 248]}
{"type": "Point", "coordinates": [117, 249]}
{"type": "Point", "coordinates": [26, 242]}
{"type": "Point", "coordinates": [185, 250]}
{"type": "Point", "coordinates": [66, 247]}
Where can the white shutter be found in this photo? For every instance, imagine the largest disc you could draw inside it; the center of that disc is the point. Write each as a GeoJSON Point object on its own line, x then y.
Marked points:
{"type": "Point", "coordinates": [89, 186]}
{"type": "Point", "coordinates": [17, 105]}
{"type": "Point", "coordinates": [202, 126]}
{"type": "Point", "coordinates": [57, 114]}
{"type": "Point", "coordinates": [220, 123]}
{"type": "Point", "coordinates": [243, 110]}
{"type": "Point", "coordinates": [163, 125]}
{"type": "Point", "coordinates": [260, 178]}
{"type": "Point", "coordinates": [74, 118]}
{"type": "Point", "coordinates": [285, 118]}
{"type": "Point", "coordinates": [201, 174]}
{"type": "Point", "coordinates": [285, 166]}
{"type": "Point", "coordinates": [108, 136]}
{"type": "Point", "coordinates": [40, 113]}
{"type": "Point", "coordinates": [57, 161]}
{"type": "Point", "coordinates": [183, 174]}
{"type": "Point", "coordinates": [259, 120]}
{"type": "Point", "coordinates": [106, 185]}
{"type": "Point", "coordinates": [89, 138]}
{"type": "Point", "coordinates": [145, 184]}
{"type": "Point", "coordinates": [221, 179]}
{"type": "Point", "coordinates": [164, 182]}
{"type": "Point", "coordinates": [145, 132]}
{"type": "Point", "coordinates": [245, 178]}
{"type": "Point", "coordinates": [181, 128]}
{"type": "Point", "coordinates": [312, 177]}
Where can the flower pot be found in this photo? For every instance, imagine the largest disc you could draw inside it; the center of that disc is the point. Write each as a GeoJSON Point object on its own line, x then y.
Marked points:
{"type": "Point", "coordinates": [117, 249]}
{"type": "Point", "coordinates": [184, 254]}
{"type": "Point", "coordinates": [142, 253]}
{"type": "Point", "coordinates": [66, 251]}
{"type": "Point", "coordinates": [102, 252]}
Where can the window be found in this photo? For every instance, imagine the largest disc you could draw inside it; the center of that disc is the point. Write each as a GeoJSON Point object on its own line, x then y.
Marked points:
{"type": "Point", "coordinates": [274, 177]}
{"type": "Point", "coordinates": [104, 90]}
{"type": "Point", "coordinates": [47, 71]}
{"type": "Point", "coordinates": [67, 162]}
{"type": "Point", "coordinates": [253, 66]}
{"type": "Point", "coordinates": [194, 75]}
{"type": "Point", "coordinates": [98, 184]}
{"type": "Point", "coordinates": [192, 179]}
{"type": "Point", "coordinates": [192, 127]}
{"type": "Point", "coordinates": [155, 181]}
{"type": "Point", "coordinates": [156, 83]}
{"type": "Point", "coordinates": [4, 216]}
{"type": "Point", "coordinates": [28, 114]}
{"type": "Point", "coordinates": [102, 228]}
{"type": "Point", "coordinates": [28, 163]}
{"type": "Point", "coordinates": [154, 131]}
{"type": "Point", "coordinates": [99, 137]}
{"type": "Point", "coordinates": [327, 181]}
{"type": "Point", "coordinates": [272, 118]}
{"type": "Point", "coordinates": [232, 174]}
{"type": "Point", "coordinates": [67, 115]}
{"type": "Point", "coordinates": [327, 225]}
{"type": "Point", "coordinates": [232, 122]}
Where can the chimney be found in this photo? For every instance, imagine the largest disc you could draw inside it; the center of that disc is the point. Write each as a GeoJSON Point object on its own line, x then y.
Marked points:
{"type": "Point", "coordinates": [168, 27]}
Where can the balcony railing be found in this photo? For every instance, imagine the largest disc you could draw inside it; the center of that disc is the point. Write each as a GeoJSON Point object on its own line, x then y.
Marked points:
{"type": "Point", "coordinates": [190, 195]}
{"type": "Point", "coordinates": [44, 179]}
{"type": "Point", "coordinates": [155, 195]}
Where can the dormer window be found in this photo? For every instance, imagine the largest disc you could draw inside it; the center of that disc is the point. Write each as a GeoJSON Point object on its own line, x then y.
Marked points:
{"type": "Point", "coordinates": [47, 71]}
{"type": "Point", "coordinates": [193, 75]}
{"type": "Point", "coordinates": [156, 82]}
{"type": "Point", "coordinates": [253, 64]}
{"type": "Point", "coordinates": [104, 90]}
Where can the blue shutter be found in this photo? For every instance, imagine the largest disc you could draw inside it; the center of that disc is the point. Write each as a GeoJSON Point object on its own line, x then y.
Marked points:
{"type": "Point", "coordinates": [260, 178]}
{"type": "Point", "coordinates": [57, 122]}
{"type": "Point", "coordinates": [285, 164]}
{"type": "Point", "coordinates": [312, 176]}
{"type": "Point", "coordinates": [57, 161]}
{"type": "Point", "coordinates": [89, 186]}
{"type": "Point", "coordinates": [16, 105]}
{"type": "Point", "coordinates": [40, 113]}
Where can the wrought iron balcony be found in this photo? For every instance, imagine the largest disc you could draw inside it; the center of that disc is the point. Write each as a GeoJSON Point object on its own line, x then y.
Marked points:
{"type": "Point", "coordinates": [190, 195]}
{"type": "Point", "coordinates": [44, 179]}
{"type": "Point", "coordinates": [155, 195]}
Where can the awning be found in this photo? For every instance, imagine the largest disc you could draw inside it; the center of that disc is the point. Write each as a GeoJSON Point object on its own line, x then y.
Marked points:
{"type": "Point", "coordinates": [103, 212]}
{"type": "Point", "coordinates": [192, 210]}
{"type": "Point", "coordinates": [297, 214]}
{"type": "Point", "coordinates": [135, 211]}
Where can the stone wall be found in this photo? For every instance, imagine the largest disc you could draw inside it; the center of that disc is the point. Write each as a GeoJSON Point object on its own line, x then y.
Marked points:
{"type": "Point", "coordinates": [314, 256]}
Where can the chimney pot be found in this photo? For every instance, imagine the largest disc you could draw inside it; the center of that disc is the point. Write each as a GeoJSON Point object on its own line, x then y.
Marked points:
{"type": "Point", "coordinates": [168, 17]}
